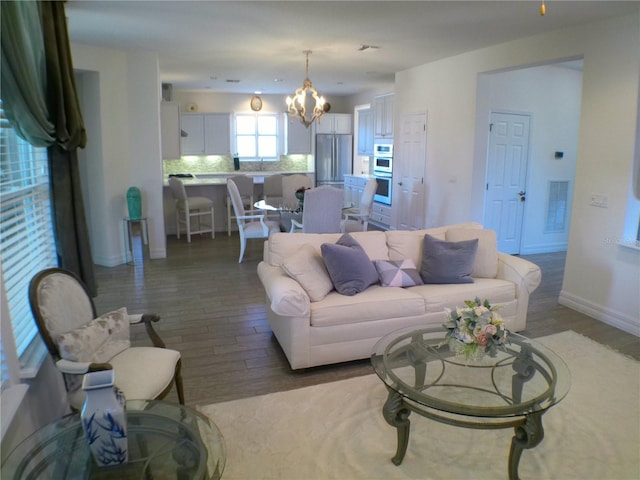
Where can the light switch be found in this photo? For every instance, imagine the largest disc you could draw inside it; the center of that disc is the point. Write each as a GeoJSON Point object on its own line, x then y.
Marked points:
{"type": "Point", "coordinates": [598, 200]}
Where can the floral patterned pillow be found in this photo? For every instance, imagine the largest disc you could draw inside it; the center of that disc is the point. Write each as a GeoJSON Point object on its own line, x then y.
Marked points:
{"type": "Point", "coordinates": [98, 340]}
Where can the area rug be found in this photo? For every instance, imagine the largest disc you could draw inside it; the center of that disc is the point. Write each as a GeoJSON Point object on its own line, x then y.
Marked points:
{"type": "Point", "coordinates": [336, 430]}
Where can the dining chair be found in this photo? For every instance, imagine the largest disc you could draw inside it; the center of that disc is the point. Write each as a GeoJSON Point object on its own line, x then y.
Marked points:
{"type": "Point", "coordinates": [245, 187]}
{"type": "Point", "coordinates": [357, 219]}
{"type": "Point", "coordinates": [80, 341]}
{"type": "Point", "coordinates": [272, 192]}
{"type": "Point", "coordinates": [322, 211]}
{"type": "Point", "coordinates": [188, 208]}
{"type": "Point", "coordinates": [250, 225]}
{"type": "Point", "coordinates": [291, 183]}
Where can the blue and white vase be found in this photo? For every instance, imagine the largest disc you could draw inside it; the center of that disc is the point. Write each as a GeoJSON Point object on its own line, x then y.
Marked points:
{"type": "Point", "coordinates": [104, 419]}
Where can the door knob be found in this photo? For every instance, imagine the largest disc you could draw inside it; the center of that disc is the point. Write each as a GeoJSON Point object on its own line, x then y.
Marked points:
{"type": "Point", "coordinates": [522, 195]}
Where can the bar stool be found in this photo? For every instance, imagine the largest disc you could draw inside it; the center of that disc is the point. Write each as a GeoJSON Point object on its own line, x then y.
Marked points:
{"type": "Point", "coordinates": [188, 207]}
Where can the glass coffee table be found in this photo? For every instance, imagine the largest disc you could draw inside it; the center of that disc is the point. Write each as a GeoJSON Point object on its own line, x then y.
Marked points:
{"type": "Point", "coordinates": [165, 440]}
{"type": "Point", "coordinates": [512, 390]}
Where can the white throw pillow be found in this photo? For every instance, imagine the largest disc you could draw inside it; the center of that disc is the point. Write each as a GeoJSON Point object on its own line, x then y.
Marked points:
{"type": "Point", "coordinates": [306, 266]}
{"type": "Point", "coordinates": [98, 340]}
{"type": "Point", "coordinates": [486, 262]}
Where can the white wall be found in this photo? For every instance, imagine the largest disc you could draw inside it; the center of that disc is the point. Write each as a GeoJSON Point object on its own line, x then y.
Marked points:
{"type": "Point", "coordinates": [123, 129]}
{"type": "Point", "coordinates": [212, 102]}
{"type": "Point", "coordinates": [601, 278]}
{"type": "Point", "coordinates": [551, 95]}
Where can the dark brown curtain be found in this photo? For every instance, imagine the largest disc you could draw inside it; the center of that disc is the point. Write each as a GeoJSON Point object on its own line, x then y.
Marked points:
{"type": "Point", "coordinates": [39, 99]}
{"type": "Point", "coordinates": [72, 238]}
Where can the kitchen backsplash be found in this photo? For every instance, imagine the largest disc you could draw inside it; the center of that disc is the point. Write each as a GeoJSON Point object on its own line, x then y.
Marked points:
{"type": "Point", "coordinates": [212, 164]}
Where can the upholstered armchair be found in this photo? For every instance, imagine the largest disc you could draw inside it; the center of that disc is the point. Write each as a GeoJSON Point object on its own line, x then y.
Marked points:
{"type": "Point", "coordinates": [80, 341]}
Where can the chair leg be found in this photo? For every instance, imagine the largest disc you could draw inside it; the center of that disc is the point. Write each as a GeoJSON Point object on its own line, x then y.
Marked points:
{"type": "Point", "coordinates": [243, 244]}
{"type": "Point", "coordinates": [187, 215]}
{"type": "Point", "coordinates": [178, 223]}
{"type": "Point", "coordinates": [213, 225]}
{"type": "Point", "coordinates": [228, 216]}
{"type": "Point", "coordinates": [178, 382]}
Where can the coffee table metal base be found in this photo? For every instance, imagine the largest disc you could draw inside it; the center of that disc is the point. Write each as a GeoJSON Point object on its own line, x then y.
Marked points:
{"type": "Point", "coordinates": [528, 428]}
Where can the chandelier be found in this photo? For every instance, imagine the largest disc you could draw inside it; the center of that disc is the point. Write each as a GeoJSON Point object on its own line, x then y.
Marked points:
{"type": "Point", "coordinates": [297, 106]}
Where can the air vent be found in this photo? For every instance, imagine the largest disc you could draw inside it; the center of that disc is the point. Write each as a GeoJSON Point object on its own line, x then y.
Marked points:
{"type": "Point", "coordinates": [232, 81]}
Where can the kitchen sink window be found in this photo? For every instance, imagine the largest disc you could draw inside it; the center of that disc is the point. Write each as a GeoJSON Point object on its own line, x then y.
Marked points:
{"type": "Point", "coordinates": [256, 136]}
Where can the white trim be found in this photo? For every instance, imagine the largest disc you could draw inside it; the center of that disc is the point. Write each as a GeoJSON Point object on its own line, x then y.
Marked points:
{"type": "Point", "coordinates": [604, 314]}
{"type": "Point", "coordinates": [12, 398]}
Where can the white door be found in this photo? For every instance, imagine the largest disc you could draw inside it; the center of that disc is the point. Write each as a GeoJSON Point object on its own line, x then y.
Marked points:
{"type": "Point", "coordinates": [409, 172]}
{"type": "Point", "coordinates": [506, 178]}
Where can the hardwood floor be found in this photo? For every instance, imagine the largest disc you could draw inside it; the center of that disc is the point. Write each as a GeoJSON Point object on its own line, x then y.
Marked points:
{"type": "Point", "coordinates": [213, 311]}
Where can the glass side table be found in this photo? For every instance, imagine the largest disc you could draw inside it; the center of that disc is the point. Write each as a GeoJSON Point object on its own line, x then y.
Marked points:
{"type": "Point", "coordinates": [165, 441]}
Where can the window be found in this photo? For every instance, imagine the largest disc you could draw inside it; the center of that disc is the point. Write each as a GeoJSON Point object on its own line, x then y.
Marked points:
{"type": "Point", "coordinates": [27, 242]}
{"type": "Point", "coordinates": [256, 136]}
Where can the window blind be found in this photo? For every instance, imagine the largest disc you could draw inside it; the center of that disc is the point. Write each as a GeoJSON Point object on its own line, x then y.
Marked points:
{"type": "Point", "coordinates": [26, 232]}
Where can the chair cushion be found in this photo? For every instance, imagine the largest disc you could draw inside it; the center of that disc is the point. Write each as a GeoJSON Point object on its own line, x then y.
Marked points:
{"type": "Point", "coordinates": [486, 263]}
{"type": "Point", "coordinates": [350, 268]}
{"type": "Point", "coordinates": [447, 262]}
{"type": "Point", "coordinates": [307, 268]}
{"type": "Point", "coordinates": [398, 273]}
{"type": "Point", "coordinates": [144, 372]}
{"type": "Point", "coordinates": [196, 203]}
{"type": "Point", "coordinates": [98, 340]}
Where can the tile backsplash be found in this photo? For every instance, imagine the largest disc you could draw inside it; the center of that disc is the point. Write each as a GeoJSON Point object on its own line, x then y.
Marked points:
{"type": "Point", "coordinates": [212, 164]}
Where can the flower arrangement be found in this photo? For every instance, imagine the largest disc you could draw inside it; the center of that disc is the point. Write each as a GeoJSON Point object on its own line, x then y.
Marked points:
{"type": "Point", "coordinates": [475, 330]}
{"type": "Point", "coordinates": [300, 196]}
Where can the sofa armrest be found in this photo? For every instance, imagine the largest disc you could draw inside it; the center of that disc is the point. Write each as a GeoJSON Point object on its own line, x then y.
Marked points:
{"type": "Point", "coordinates": [286, 295]}
{"type": "Point", "coordinates": [526, 276]}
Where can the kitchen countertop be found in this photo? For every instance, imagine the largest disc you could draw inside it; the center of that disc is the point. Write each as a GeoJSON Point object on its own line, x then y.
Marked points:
{"type": "Point", "coordinates": [221, 178]}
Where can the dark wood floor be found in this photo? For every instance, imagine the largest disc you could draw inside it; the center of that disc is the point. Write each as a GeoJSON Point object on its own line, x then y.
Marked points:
{"type": "Point", "coordinates": [213, 311]}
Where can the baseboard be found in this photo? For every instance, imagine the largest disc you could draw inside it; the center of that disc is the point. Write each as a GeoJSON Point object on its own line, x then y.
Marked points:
{"type": "Point", "coordinates": [604, 314]}
{"type": "Point", "coordinates": [109, 261]}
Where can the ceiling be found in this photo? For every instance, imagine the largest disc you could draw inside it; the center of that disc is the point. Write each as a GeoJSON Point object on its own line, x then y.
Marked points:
{"type": "Point", "coordinates": [244, 46]}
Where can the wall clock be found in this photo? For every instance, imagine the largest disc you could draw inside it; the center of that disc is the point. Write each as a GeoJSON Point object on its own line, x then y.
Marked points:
{"type": "Point", "coordinates": [256, 103]}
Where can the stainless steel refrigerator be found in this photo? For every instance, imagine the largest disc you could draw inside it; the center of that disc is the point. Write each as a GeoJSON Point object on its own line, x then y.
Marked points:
{"type": "Point", "coordinates": [333, 159]}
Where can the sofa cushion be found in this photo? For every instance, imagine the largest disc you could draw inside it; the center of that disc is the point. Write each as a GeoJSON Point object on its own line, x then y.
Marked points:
{"type": "Point", "coordinates": [437, 297]}
{"type": "Point", "coordinates": [307, 268]}
{"type": "Point", "coordinates": [447, 262]}
{"type": "Point", "coordinates": [349, 267]}
{"type": "Point", "coordinates": [375, 303]}
{"type": "Point", "coordinates": [282, 245]}
{"type": "Point", "coordinates": [398, 273]}
{"type": "Point", "coordinates": [408, 243]}
{"type": "Point", "coordinates": [486, 262]}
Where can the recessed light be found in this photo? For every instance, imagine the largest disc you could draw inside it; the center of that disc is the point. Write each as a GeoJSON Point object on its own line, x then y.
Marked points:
{"type": "Point", "coordinates": [258, 92]}
{"type": "Point", "coordinates": [277, 80]}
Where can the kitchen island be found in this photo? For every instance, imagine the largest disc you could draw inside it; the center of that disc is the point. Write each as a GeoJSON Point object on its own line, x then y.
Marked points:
{"type": "Point", "coordinates": [213, 186]}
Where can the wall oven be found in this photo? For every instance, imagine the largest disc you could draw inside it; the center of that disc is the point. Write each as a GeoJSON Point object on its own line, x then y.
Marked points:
{"type": "Point", "coordinates": [383, 190]}
{"type": "Point", "coordinates": [383, 158]}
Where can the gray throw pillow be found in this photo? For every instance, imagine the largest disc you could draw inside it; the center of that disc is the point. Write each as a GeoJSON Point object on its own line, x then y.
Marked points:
{"type": "Point", "coordinates": [350, 268]}
{"type": "Point", "coordinates": [447, 262]}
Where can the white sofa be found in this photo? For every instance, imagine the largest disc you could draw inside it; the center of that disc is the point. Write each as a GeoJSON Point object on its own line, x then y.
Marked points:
{"type": "Point", "coordinates": [340, 328]}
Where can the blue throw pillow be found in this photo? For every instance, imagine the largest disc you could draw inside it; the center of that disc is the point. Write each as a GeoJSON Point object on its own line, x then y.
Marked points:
{"type": "Point", "coordinates": [447, 262]}
{"type": "Point", "coordinates": [350, 268]}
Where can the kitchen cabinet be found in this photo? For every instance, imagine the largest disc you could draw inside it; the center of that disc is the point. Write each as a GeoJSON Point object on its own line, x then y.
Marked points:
{"type": "Point", "coordinates": [207, 133]}
{"type": "Point", "coordinates": [354, 188]}
{"type": "Point", "coordinates": [365, 132]}
{"type": "Point", "coordinates": [335, 123]}
{"type": "Point", "coordinates": [381, 215]}
{"type": "Point", "coordinates": [298, 137]}
{"type": "Point", "coordinates": [170, 130]}
{"type": "Point", "coordinates": [383, 106]}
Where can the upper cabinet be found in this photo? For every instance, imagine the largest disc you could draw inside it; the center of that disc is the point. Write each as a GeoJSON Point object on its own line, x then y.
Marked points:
{"type": "Point", "coordinates": [383, 106]}
{"type": "Point", "coordinates": [335, 123]}
{"type": "Point", "coordinates": [207, 133]}
{"type": "Point", "coordinates": [365, 132]}
{"type": "Point", "coordinates": [170, 130]}
{"type": "Point", "coordinates": [298, 137]}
